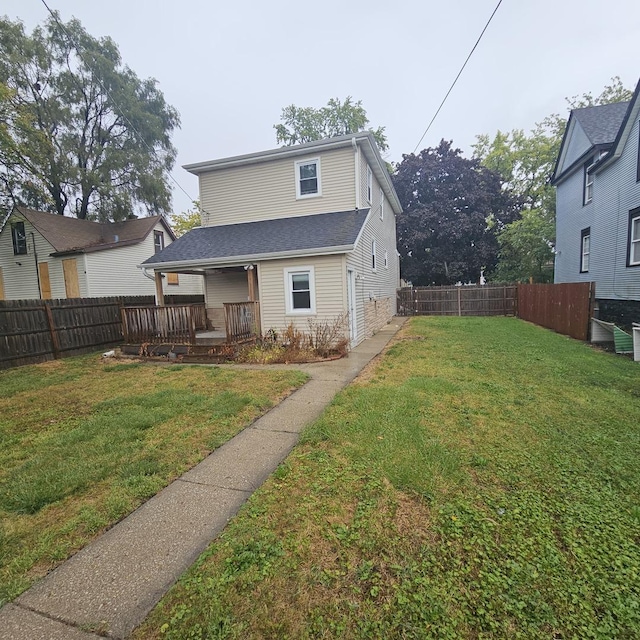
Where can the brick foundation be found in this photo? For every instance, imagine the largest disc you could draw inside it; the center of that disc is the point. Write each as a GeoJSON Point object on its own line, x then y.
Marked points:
{"type": "Point", "coordinates": [377, 313]}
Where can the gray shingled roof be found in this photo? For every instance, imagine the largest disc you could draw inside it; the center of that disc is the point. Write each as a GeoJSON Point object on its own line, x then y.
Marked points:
{"type": "Point", "coordinates": [285, 235]}
{"type": "Point", "coordinates": [602, 122]}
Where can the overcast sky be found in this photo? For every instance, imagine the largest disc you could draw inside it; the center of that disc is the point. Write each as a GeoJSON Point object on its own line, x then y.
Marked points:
{"type": "Point", "coordinates": [230, 67]}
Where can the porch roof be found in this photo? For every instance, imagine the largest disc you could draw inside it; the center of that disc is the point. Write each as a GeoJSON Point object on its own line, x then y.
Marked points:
{"type": "Point", "coordinates": [231, 244]}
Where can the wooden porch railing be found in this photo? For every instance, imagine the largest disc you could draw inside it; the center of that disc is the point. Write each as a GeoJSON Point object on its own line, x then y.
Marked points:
{"type": "Point", "coordinates": [156, 325]}
{"type": "Point", "coordinates": [242, 320]}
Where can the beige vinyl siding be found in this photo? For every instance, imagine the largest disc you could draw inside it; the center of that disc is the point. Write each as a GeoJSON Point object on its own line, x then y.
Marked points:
{"type": "Point", "coordinates": [330, 291]}
{"type": "Point", "coordinates": [267, 190]}
{"type": "Point", "coordinates": [21, 280]}
{"type": "Point", "coordinates": [382, 283]}
{"type": "Point", "coordinates": [226, 286]}
{"type": "Point", "coordinates": [114, 272]}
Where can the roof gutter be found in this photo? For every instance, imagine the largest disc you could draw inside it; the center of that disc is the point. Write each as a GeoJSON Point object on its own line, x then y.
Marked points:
{"type": "Point", "coordinates": [234, 261]}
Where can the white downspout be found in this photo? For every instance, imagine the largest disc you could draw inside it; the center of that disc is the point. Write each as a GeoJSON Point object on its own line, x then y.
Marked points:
{"type": "Point", "coordinates": [356, 155]}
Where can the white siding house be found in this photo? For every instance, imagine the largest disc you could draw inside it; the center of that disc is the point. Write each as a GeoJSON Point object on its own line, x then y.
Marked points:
{"type": "Point", "coordinates": [309, 231]}
{"type": "Point", "coordinates": [43, 255]}
{"type": "Point", "coordinates": [597, 180]}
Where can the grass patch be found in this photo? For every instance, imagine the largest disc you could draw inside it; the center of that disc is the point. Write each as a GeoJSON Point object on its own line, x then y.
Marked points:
{"type": "Point", "coordinates": [83, 443]}
{"type": "Point", "coordinates": [481, 481]}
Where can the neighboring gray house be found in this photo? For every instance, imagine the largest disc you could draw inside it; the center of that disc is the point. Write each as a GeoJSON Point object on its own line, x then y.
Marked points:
{"type": "Point", "coordinates": [597, 180]}
{"type": "Point", "coordinates": [309, 231]}
{"type": "Point", "coordinates": [45, 255]}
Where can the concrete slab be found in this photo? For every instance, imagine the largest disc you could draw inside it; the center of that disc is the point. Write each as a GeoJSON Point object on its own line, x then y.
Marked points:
{"type": "Point", "coordinates": [113, 583]}
{"type": "Point", "coordinates": [244, 462]}
{"type": "Point", "coordinates": [17, 623]}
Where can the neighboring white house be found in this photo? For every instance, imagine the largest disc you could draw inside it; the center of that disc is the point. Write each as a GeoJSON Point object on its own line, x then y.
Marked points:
{"type": "Point", "coordinates": [44, 255]}
{"type": "Point", "coordinates": [597, 180]}
{"type": "Point", "coordinates": [308, 230]}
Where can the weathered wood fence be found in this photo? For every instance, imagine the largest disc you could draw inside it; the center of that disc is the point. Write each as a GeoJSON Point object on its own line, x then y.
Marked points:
{"type": "Point", "coordinates": [566, 308]}
{"type": "Point", "coordinates": [38, 330]}
{"type": "Point", "coordinates": [159, 325]}
{"type": "Point", "coordinates": [241, 320]}
{"type": "Point", "coordinates": [477, 300]}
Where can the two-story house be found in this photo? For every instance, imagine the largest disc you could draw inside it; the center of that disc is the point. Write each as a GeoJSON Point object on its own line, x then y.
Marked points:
{"type": "Point", "coordinates": [309, 231]}
{"type": "Point", "coordinates": [45, 255]}
{"type": "Point", "coordinates": [597, 180]}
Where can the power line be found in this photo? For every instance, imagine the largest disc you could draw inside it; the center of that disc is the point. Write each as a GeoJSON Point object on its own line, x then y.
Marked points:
{"type": "Point", "coordinates": [459, 74]}
{"type": "Point", "coordinates": [122, 113]}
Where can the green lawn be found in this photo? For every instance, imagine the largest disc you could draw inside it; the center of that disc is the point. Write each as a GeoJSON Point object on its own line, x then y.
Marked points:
{"type": "Point", "coordinates": [482, 481]}
{"type": "Point", "coordinates": [84, 442]}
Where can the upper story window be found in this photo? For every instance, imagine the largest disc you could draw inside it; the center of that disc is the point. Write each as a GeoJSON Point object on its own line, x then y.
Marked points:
{"type": "Point", "coordinates": [585, 249]}
{"type": "Point", "coordinates": [369, 184]}
{"type": "Point", "coordinates": [19, 237]}
{"type": "Point", "coordinates": [381, 204]}
{"type": "Point", "coordinates": [588, 182]}
{"type": "Point", "coordinates": [158, 241]}
{"type": "Point", "coordinates": [300, 288]}
{"type": "Point", "coordinates": [308, 178]}
{"type": "Point", "coordinates": [633, 249]}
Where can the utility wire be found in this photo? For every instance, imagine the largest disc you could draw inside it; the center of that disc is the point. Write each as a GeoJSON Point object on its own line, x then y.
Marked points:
{"type": "Point", "coordinates": [459, 74]}
{"type": "Point", "coordinates": [121, 111]}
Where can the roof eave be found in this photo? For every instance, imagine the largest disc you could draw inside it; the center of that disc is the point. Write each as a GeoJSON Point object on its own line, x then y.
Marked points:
{"type": "Point", "coordinates": [235, 261]}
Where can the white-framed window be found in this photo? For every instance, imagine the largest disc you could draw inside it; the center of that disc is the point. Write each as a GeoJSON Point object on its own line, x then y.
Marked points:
{"type": "Point", "coordinates": [386, 259]}
{"type": "Point", "coordinates": [373, 255]}
{"type": "Point", "coordinates": [381, 204]}
{"type": "Point", "coordinates": [369, 185]}
{"type": "Point", "coordinates": [308, 183]}
{"type": "Point", "coordinates": [585, 249]}
{"type": "Point", "coordinates": [633, 250]}
{"type": "Point", "coordinates": [158, 241]}
{"type": "Point", "coordinates": [588, 182]}
{"type": "Point", "coordinates": [300, 290]}
{"type": "Point", "coordinates": [19, 238]}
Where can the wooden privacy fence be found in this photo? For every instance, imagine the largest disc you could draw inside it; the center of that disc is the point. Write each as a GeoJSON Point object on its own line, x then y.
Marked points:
{"type": "Point", "coordinates": [477, 300]}
{"type": "Point", "coordinates": [566, 308]}
{"type": "Point", "coordinates": [38, 330]}
{"type": "Point", "coordinates": [158, 325]}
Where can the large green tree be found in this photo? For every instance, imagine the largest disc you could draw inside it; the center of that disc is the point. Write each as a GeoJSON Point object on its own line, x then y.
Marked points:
{"type": "Point", "coordinates": [305, 124]}
{"type": "Point", "coordinates": [453, 208]}
{"type": "Point", "coordinates": [80, 133]}
{"type": "Point", "coordinates": [525, 161]}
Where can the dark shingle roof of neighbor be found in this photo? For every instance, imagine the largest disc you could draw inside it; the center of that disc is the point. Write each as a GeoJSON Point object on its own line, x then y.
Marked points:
{"type": "Point", "coordinates": [263, 237]}
{"type": "Point", "coordinates": [602, 122]}
{"type": "Point", "coordinates": [66, 234]}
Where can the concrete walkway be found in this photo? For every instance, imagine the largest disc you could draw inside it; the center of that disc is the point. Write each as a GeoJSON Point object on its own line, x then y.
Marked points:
{"type": "Point", "coordinates": [109, 587]}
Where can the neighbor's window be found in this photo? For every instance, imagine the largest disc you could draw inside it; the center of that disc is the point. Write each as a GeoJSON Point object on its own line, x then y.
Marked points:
{"type": "Point", "coordinates": [369, 185]}
{"type": "Point", "coordinates": [585, 249]}
{"type": "Point", "coordinates": [381, 204]}
{"type": "Point", "coordinates": [173, 278]}
{"type": "Point", "coordinates": [158, 241]}
{"type": "Point", "coordinates": [373, 255]}
{"type": "Point", "coordinates": [386, 259]}
{"type": "Point", "coordinates": [300, 290]}
{"type": "Point", "coordinates": [633, 250]}
{"type": "Point", "coordinates": [588, 182]}
{"type": "Point", "coordinates": [308, 178]}
{"type": "Point", "coordinates": [19, 238]}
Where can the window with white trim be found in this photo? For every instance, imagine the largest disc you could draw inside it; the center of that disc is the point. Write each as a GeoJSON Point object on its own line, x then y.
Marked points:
{"type": "Point", "coordinates": [373, 255]}
{"type": "Point", "coordinates": [386, 259]}
{"type": "Point", "coordinates": [308, 183]}
{"type": "Point", "coordinates": [585, 249]}
{"type": "Point", "coordinates": [158, 241]}
{"type": "Point", "coordinates": [381, 204]}
{"type": "Point", "coordinates": [588, 182]}
{"type": "Point", "coordinates": [369, 185]}
{"type": "Point", "coordinates": [300, 290]}
{"type": "Point", "coordinates": [19, 238]}
{"type": "Point", "coordinates": [633, 250]}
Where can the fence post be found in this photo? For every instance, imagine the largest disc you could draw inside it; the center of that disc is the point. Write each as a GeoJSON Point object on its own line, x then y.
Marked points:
{"type": "Point", "coordinates": [55, 341]}
{"type": "Point", "coordinates": [459, 309]}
